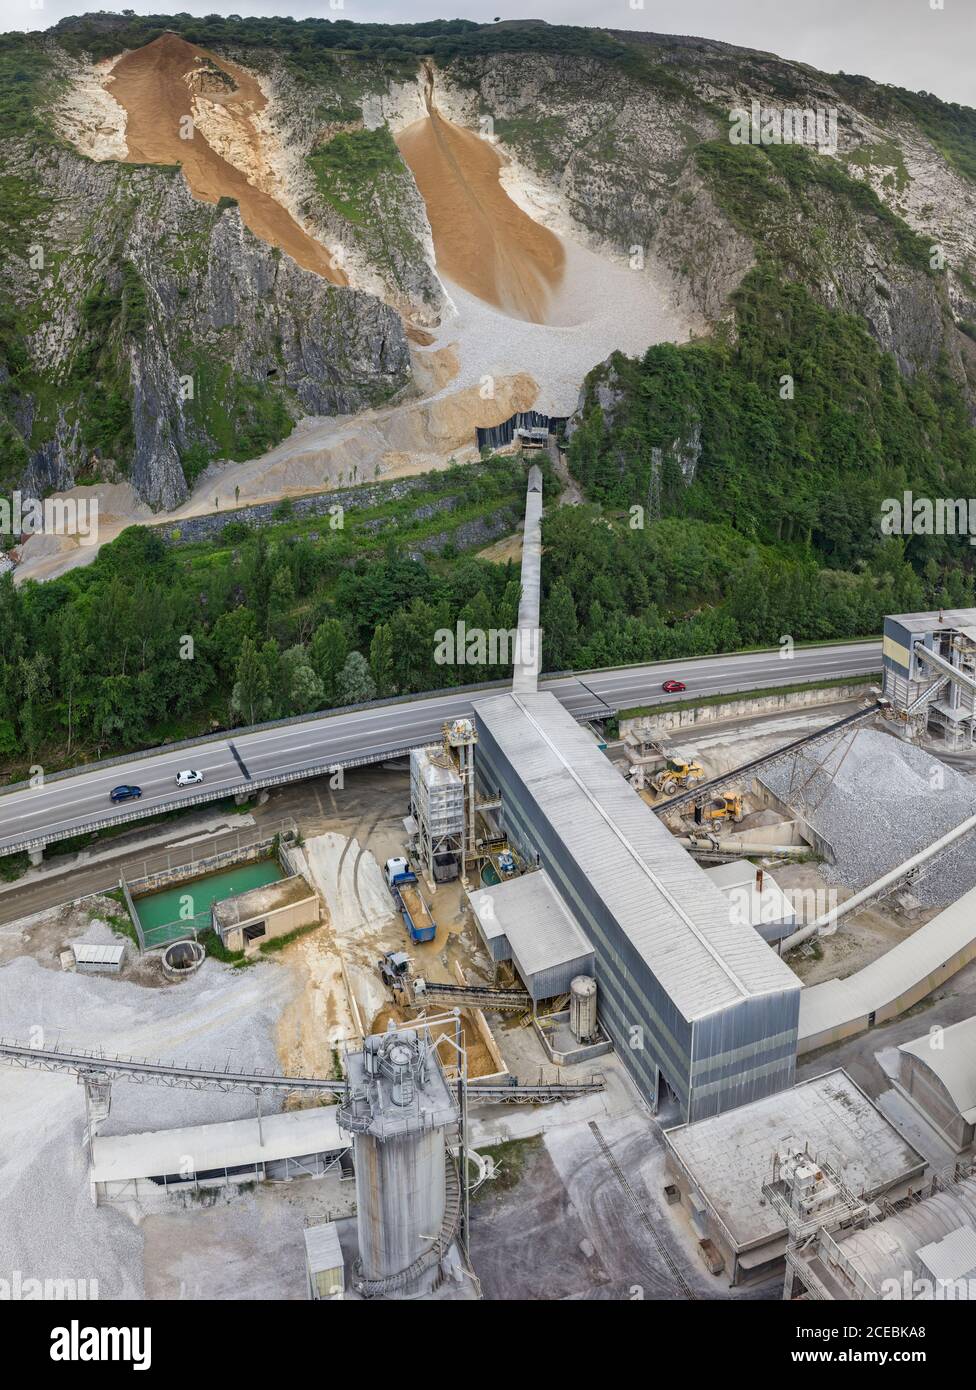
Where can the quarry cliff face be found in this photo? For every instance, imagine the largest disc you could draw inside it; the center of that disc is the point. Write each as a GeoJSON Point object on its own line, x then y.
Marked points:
{"type": "Point", "coordinates": [161, 318]}
{"type": "Point", "coordinates": [645, 166]}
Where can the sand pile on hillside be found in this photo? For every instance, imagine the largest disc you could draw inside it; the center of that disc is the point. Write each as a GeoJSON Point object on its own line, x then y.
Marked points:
{"type": "Point", "coordinates": [158, 86]}
{"type": "Point", "coordinates": [602, 306]}
{"type": "Point", "coordinates": [415, 437]}
{"type": "Point", "coordinates": [45, 556]}
{"type": "Point", "coordinates": [482, 240]}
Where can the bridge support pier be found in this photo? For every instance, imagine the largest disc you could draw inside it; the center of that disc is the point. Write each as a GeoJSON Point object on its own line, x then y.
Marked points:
{"type": "Point", "coordinates": [36, 856]}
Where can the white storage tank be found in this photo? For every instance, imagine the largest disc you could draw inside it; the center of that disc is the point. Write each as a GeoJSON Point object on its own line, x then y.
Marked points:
{"type": "Point", "coordinates": [582, 1008]}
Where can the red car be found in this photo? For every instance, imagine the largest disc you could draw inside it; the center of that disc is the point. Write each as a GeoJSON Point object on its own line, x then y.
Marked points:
{"type": "Point", "coordinates": [671, 687]}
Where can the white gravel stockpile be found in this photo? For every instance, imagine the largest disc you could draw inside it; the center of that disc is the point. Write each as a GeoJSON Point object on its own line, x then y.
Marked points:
{"type": "Point", "coordinates": [602, 307]}
{"type": "Point", "coordinates": [878, 801]}
{"type": "Point", "coordinates": [49, 1228]}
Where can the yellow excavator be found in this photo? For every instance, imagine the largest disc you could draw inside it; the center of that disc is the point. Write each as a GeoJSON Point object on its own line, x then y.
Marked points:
{"type": "Point", "coordinates": [725, 806]}
{"type": "Point", "coordinates": [677, 774]}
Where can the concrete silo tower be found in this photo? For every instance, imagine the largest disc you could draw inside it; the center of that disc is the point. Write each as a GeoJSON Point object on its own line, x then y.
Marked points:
{"type": "Point", "coordinates": [402, 1113]}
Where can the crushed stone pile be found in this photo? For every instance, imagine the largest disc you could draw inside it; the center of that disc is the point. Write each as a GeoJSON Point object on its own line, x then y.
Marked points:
{"type": "Point", "coordinates": [878, 801]}
{"type": "Point", "coordinates": [49, 1228]}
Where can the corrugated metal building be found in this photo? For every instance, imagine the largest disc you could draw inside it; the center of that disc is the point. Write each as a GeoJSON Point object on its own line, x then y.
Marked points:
{"type": "Point", "coordinates": [938, 1074]}
{"type": "Point", "coordinates": [688, 995]}
{"type": "Point", "coordinates": [767, 909]}
{"type": "Point", "coordinates": [294, 1144]}
{"type": "Point", "coordinates": [525, 921]}
{"type": "Point", "coordinates": [324, 1262]}
{"type": "Point", "coordinates": [924, 1251]}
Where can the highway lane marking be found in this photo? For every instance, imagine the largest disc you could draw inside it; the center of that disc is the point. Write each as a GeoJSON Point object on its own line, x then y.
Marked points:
{"type": "Point", "coordinates": [285, 737]}
{"type": "Point", "coordinates": [338, 725]}
{"type": "Point", "coordinates": [155, 787]}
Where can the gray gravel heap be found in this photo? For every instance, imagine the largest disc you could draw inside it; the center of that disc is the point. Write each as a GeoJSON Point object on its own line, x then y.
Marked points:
{"type": "Point", "coordinates": [878, 801]}
{"type": "Point", "coordinates": [49, 1228]}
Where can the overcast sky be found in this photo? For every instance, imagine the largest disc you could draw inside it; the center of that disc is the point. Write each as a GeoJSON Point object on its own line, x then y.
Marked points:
{"type": "Point", "coordinates": [921, 44]}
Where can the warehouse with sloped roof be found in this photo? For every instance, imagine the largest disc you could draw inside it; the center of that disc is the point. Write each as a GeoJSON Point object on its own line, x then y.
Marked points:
{"type": "Point", "coordinates": [938, 1074]}
{"type": "Point", "coordinates": [696, 1002]}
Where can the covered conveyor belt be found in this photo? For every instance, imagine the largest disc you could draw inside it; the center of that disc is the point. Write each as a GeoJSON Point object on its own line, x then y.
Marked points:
{"type": "Point", "coordinates": [704, 790]}
{"type": "Point", "coordinates": [469, 996]}
{"type": "Point", "coordinates": [82, 1063]}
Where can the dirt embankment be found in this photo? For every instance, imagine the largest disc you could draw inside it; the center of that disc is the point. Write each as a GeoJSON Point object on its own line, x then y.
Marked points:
{"type": "Point", "coordinates": [483, 241]}
{"type": "Point", "coordinates": [157, 86]}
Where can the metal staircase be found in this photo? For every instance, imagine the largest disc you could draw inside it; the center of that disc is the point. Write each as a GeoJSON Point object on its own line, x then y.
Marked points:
{"type": "Point", "coordinates": [394, 1283]}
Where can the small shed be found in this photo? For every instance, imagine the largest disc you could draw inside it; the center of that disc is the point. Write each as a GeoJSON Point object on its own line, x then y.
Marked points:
{"type": "Point", "coordinates": [245, 921]}
{"type": "Point", "coordinates": [324, 1262]}
{"type": "Point", "coordinates": [755, 897]}
{"type": "Point", "coordinates": [523, 920]}
{"type": "Point", "coordinates": [91, 960]}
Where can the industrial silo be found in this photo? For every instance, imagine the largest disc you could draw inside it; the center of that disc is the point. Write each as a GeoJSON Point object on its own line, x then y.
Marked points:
{"type": "Point", "coordinates": [582, 1008]}
{"type": "Point", "coordinates": [401, 1112]}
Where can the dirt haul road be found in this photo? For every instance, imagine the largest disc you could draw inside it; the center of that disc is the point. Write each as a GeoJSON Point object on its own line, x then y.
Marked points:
{"type": "Point", "coordinates": [156, 85]}
{"type": "Point", "coordinates": [482, 240]}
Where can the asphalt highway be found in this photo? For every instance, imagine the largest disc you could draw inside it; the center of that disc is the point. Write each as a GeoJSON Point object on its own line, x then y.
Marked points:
{"type": "Point", "coordinates": [235, 763]}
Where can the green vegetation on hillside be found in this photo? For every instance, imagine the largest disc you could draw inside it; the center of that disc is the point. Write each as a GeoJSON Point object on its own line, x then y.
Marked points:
{"type": "Point", "coordinates": [811, 470]}
{"type": "Point", "coordinates": [296, 617]}
{"type": "Point", "coordinates": [772, 192]}
{"type": "Point", "coordinates": [950, 126]}
{"type": "Point", "coordinates": [26, 85]}
{"type": "Point", "coordinates": [311, 42]}
{"type": "Point", "coordinates": [349, 169]}
{"type": "Point", "coordinates": [614, 595]}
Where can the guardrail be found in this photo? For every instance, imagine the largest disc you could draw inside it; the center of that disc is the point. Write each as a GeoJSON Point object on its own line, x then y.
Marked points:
{"type": "Point", "coordinates": [318, 769]}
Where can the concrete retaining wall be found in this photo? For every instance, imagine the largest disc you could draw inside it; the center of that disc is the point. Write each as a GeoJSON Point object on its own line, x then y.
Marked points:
{"type": "Point", "coordinates": [184, 872]}
{"type": "Point", "coordinates": [651, 726]}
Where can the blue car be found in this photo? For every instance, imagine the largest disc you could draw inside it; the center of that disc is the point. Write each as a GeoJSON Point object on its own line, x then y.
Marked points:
{"type": "Point", "coordinates": [126, 793]}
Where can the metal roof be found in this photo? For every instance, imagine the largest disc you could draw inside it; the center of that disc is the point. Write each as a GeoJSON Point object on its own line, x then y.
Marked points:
{"type": "Point", "coordinates": [957, 618]}
{"type": "Point", "coordinates": [676, 918]}
{"type": "Point", "coordinates": [892, 1248]}
{"type": "Point", "coordinates": [952, 1257]}
{"type": "Point", "coordinates": [951, 1055]}
{"type": "Point", "coordinates": [729, 1156]}
{"type": "Point", "coordinates": [737, 882]}
{"type": "Point", "coordinates": [122, 1157]}
{"type": "Point", "coordinates": [532, 915]}
{"type": "Point", "coordinates": [98, 955]}
{"type": "Point", "coordinates": [322, 1248]}
{"type": "Point", "coordinates": [835, 1003]}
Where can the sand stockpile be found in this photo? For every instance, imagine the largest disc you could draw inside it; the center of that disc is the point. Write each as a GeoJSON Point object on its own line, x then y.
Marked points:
{"type": "Point", "coordinates": [158, 87]}
{"type": "Point", "coordinates": [482, 240]}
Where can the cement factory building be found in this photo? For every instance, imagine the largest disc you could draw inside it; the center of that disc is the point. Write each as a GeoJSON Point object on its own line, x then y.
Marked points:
{"type": "Point", "coordinates": [694, 1001]}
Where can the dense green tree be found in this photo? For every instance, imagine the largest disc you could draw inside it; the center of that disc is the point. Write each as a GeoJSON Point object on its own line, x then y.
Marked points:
{"type": "Point", "coordinates": [328, 652]}
{"type": "Point", "coordinates": [355, 684]}
{"type": "Point", "coordinates": [250, 699]}
{"type": "Point", "coordinates": [381, 659]}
